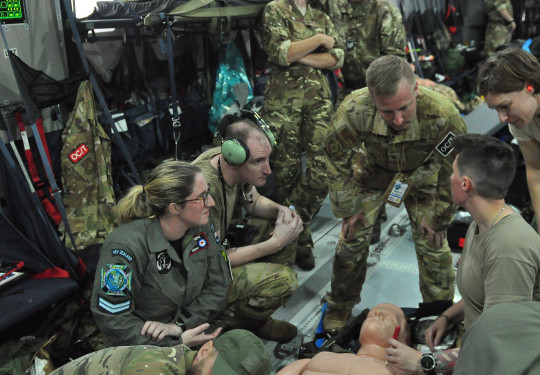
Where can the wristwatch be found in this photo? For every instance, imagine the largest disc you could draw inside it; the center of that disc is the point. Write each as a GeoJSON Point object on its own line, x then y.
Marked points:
{"type": "Point", "coordinates": [427, 363]}
{"type": "Point", "coordinates": [181, 324]}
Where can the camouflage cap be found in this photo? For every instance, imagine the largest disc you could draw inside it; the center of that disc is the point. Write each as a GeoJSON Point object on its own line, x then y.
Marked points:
{"type": "Point", "coordinates": [240, 353]}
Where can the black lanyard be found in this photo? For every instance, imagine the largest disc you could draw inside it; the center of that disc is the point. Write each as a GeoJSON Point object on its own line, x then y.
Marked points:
{"type": "Point", "coordinates": [224, 230]}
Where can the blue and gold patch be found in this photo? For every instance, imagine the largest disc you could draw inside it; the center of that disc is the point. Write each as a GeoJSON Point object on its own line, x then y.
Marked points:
{"type": "Point", "coordinates": [116, 279]}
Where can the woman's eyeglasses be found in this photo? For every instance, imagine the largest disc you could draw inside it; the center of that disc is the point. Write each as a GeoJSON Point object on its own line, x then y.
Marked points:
{"type": "Point", "coordinates": [203, 197]}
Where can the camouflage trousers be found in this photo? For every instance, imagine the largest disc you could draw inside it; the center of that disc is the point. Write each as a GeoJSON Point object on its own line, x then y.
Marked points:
{"type": "Point", "coordinates": [257, 290]}
{"type": "Point", "coordinates": [300, 124]}
{"type": "Point", "coordinates": [497, 34]}
{"type": "Point", "coordinates": [350, 262]}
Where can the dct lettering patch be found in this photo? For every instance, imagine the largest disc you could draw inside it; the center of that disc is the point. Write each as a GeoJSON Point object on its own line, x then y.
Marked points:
{"type": "Point", "coordinates": [445, 146]}
{"type": "Point", "coordinates": [202, 243]}
{"type": "Point", "coordinates": [116, 279]}
{"type": "Point", "coordinates": [76, 155]}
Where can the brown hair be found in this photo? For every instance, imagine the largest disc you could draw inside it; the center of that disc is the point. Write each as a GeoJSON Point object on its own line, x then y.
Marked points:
{"type": "Point", "coordinates": [508, 71]}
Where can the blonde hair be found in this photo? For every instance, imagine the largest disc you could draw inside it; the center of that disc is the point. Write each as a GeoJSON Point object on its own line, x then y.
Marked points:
{"type": "Point", "coordinates": [169, 182]}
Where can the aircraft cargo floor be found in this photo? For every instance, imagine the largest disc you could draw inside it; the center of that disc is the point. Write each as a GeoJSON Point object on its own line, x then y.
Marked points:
{"type": "Point", "coordinates": [391, 277]}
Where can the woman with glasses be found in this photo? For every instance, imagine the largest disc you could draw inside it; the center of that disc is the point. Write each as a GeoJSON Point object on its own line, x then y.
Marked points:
{"type": "Point", "coordinates": [161, 275]}
{"type": "Point", "coordinates": [510, 82]}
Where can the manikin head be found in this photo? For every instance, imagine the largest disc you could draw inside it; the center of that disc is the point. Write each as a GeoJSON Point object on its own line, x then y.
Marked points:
{"type": "Point", "coordinates": [380, 324]}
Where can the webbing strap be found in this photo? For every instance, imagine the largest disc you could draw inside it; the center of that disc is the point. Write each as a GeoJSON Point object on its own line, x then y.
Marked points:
{"type": "Point", "coordinates": [115, 136]}
{"type": "Point", "coordinates": [40, 185]}
{"type": "Point", "coordinates": [33, 197]}
{"type": "Point", "coordinates": [55, 190]}
{"type": "Point", "coordinates": [176, 116]}
{"type": "Point", "coordinates": [16, 153]}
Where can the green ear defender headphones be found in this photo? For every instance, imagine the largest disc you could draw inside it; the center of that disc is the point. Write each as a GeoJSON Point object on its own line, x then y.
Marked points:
{"type": "Point", "coordinates": [234, 151]}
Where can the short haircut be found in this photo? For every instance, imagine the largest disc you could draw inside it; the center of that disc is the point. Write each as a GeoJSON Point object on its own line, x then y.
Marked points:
{"type": "Point", "coordinates": [507, 71]}
{"type": "Point", "coordinates": [489, 162]}
{"type": "Point", "coordinates": [244, 129]}
{"type": "Point", "coordinates": [385, 74]}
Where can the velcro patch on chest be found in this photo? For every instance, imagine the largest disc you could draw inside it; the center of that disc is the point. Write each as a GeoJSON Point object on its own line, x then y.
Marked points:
{"type": "Point", "coordinates": [202, 243]}
{"type": "Point", "coordinates": [445, 146]}
{"type": "Point", "coordinates": [76, 155]}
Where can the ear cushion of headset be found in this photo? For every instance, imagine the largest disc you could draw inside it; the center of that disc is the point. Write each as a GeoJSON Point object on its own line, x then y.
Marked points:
{"type": "Point", "coordinates": [233, 152]}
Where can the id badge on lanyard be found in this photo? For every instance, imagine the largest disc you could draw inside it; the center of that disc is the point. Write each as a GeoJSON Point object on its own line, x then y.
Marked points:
{"type": "Point", "coordinates": [397, 190]}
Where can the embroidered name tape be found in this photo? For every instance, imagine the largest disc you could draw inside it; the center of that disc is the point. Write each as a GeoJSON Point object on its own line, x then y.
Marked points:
{"type": "Point", "coordinates": [76, 155]}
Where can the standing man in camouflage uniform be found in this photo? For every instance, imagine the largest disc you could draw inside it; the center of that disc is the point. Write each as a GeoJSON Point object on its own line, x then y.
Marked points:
{"type": "Point", "coordinates": [237, 352]}
{"type": "Point", "coordinates": [500, 24]}
{"type": "Point", "coordinates": [301, 43]}
{"type": "Point", "coordinates": [399, 136]}
{"type": "Point", "coordinates": [369, 29]}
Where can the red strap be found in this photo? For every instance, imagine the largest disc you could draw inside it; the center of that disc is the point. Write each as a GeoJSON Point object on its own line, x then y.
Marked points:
{"type": "Point", "coordinates": [27, 151]}
{"type": "Point", "coordinates": [40, 185]}
{"type": "Point", "coordinates": [51, 273]}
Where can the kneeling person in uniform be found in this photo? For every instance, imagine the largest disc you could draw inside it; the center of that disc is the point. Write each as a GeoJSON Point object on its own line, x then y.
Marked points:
{"type": "Point", "coordinates": [234, 171]}
{"type": "Point", "coordinates": [161, 273]}
{"type": "Point", "coordinates": [391, 143]}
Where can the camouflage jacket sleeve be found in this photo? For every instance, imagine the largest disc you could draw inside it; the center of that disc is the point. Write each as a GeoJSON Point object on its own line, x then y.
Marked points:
{"type": "Point", "coordinates": [439, 213]}
{"type": "Point", "coordinates": [275, 36]}
{"type": "Point", "coordinates": [392, 32]}
{"type": "Point", "coordinates": [278, 33]}
{"type": "Point", "coordinates": [343, 189]}
{"type": "Point", "coordinates": [339, 47]}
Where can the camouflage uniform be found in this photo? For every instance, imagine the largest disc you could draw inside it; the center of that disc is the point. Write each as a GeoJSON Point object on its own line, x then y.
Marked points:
{"type": "Point", "coordinates": [298, 108]}
{"type": "Point", "coordinates": [140, 276]}
{"type": "Point", "coordinates": [267, 285]}
{"type": "Point", "coordinates": [498, 31]}
{"type": "Point", "coordinates": [364, 154]}
{"type": "Point", "coordinates": [139, 359]}
{"type": "Point", "coordinates": [369, 29]}
{"type": "Point", "coordinates": [86, 174]}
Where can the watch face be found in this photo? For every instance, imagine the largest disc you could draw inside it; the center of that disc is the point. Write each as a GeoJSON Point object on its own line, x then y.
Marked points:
{"type": "Point", "coordinates": [427, 362]}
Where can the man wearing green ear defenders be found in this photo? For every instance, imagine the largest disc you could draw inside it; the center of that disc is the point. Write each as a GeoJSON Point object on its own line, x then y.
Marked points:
{"type": "Point", "coordinates": [234, 171]}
